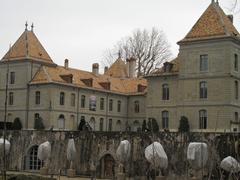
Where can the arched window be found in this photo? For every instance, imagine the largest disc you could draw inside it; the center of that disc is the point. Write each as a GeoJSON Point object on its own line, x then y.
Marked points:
{"type": "Point", "coordinates": [203, 90]}
{"type": "Point", "coordinates": [101, 124]}
{"type": "Point", "coordinates": [101, 103]}
{"type": "Point", "coordinates": [110, 105]}
{"type": "Point", "coordinates": [92, 123]}
{"type": "Point", "coordinates": [37, 97]}
{"type": "Point", "coordinates": [72, 122]}
{"type": "Point", "coordinates": [136, 106]}
{"type": "Point", "coordinates": [73, 96]}
{"type": "Point", "coordinates": [236, 116]}
{"type": "Point", "coordinates": [83, 99]}
{"type": "Point", "coordinates": [136, 125]}
{"type": "Point", "coordinates": [61, 122]}
{"type": "Point", "coordinates": [236, 89]}
{"type": "Point", "coordinates": [36, 116]}
{"type": "Point", "coordinates": [235, 62]}
{"type": "Point", "coordinates": [62, 98]}
{"type": "Point", "coordinates": [119, 125]}
{"type": "Point", "coordinates": [32, 161]}
{"type": "Point", "coordinates": [110, 125]}
{"type": "Point", "coordinates": [119, 106]}
{"type": "Point", "coordinates": [165, 92]}
{"type": "Point", "coordinates": [165, 120]}
{"type": "Point", "coordinates": [202, 119]}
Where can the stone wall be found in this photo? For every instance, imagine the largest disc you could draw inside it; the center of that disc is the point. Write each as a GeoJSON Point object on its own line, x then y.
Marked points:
{"type": "Point", "coordinates": [93, 146]}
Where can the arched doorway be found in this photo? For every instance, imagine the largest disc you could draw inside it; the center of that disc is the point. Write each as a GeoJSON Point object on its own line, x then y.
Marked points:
{"type": "Point", "coordinates": [31, 160]}
{"type": "Point", "coordinates": [107, 167]}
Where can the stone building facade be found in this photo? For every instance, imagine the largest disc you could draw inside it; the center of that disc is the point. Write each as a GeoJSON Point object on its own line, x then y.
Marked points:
{"type": "Point", "coordinates": [202, 83]}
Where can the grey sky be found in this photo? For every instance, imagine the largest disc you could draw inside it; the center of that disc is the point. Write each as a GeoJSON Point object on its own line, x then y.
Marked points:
{"type": "Point", "coordinates": [81, 30]}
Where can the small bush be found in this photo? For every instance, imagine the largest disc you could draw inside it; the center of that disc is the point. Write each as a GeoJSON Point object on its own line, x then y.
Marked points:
{"type": "Point", "coordinates": [38, 124]}
{"type": "Point", "coordinates": [17, 125]}
{"type": "Point", "coordinates": [183, 125]}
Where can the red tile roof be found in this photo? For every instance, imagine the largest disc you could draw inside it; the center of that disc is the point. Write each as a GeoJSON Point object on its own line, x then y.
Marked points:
{"type": "Point", "coordinates": [213, 23]}
{"type": "Point", "coordinates": [28, 47]}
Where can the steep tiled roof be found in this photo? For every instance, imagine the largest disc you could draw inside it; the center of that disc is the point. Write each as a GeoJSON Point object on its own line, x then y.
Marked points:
{"type": "Point", "coordinates": [118, 69]}
{"type": "Point", "coordinates": [213, 23]}
{"type": "Point", "coordinates": [28, 47]}
{"type": "Point", "coordinates": [119, 85]}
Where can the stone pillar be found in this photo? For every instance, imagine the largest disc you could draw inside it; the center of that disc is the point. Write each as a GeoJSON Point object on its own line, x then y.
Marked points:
{"type": "Point", "coordinates": [121, 176]}
{"type": "Point", "coordinates": [161, 178]}
{"type": "Point", "coordinates": [71, 173]}
{"type": "Point", "coordinates": [44, 171]}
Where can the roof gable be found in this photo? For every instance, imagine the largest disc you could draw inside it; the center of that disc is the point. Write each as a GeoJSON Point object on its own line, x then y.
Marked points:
{"type": "Point", "coordinates": [213, 23]}
{"type": "Point", "coordinates": [27, 47]}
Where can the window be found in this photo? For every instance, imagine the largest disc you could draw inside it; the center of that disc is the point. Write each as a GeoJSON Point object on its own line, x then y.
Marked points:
{"type": "Point", "coordinates": [61, 122]}
{"type": "Point", "coordinates": [136, 126]}
{"type": "Point", "coordinates": [83, 99]}
{"type": "Point", "coordinates": [202, 119]}
{"type": "Point", "coordinates": [110, 125]}
{"type": "Point", "coordinates": [10, 101]}
{"type": "Point", "coordinates": [36, 116]}
{"type": "Point", "coordinates": [136, 106]}
{"type": "Point", "coordinates": [119, 125]}
{"type": "Point", "coordinates": [119, 106]}
{"type": "Point", "coordinates": [235, 62]}
{"type": "Point", "coordinates": [37, 97]}
{"type": "Point", "coordinates": [101, 124]}
{"type": "Point", "coordinates": [110, 105]}
{"type": "Point", "coordinates": [236, 89]}
{"type": "Point", "coordinates": [165, 92]}
{"type": "Point", "coordinates": [236, 116]}
{"type": "Point", "coordinates": [101, 103]}
{"type": "Point", "coordinates": [92, 123]}
{"type": "Point", "coordinates": [165, 119]}
{"type": "Point", "coordinates": [203, 90]}
{"type": "Point", "coordinates": [62, 98]}
{"type": "Point", "coordinates": [12, 77]}
{"type": "Point", "coordinates": [204, 62]}
{"type": "Point", "coordinates": [73, 99]}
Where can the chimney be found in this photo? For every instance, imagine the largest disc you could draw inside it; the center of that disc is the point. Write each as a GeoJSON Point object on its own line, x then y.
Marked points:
{"type": "Point", "coordinates": [230, 17]}
{"type": "Point", "coordinates": [131, 66]}
{"type": "Point", "coordinates": [105, 69]}
{"type": "Point", "coordinates": [66, 63]}
{"type": "Point", "coordinates": [95, 69]}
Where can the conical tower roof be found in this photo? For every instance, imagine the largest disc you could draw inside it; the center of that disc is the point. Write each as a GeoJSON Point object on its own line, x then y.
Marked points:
{"type": "Point", "coordinates": [27, 47]}
{"type": "Point", "coordinates": [213, 23]}
{"type": "Point", "coordinates": [118, 69]}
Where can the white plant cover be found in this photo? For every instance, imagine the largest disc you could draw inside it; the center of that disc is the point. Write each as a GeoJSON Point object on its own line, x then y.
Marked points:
{"type": "Point", "coordinates": [7, 146]}
{"type": "Point", "coordinates": [123, 151]}
{"type": "Point", "coordinates": [44, 151]}
{"type": "Point", "coordinates": [156, 155]}
{"type": "Point", "coordinates": [230, 164]}
{"type": "Point", "coordinates": [197, 154]}
{"type": "Point", "coordinates": [71, 150]}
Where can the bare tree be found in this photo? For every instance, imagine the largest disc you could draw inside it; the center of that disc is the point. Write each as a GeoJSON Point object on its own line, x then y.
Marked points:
{"type": "Point", "coordinates": [149, 48]}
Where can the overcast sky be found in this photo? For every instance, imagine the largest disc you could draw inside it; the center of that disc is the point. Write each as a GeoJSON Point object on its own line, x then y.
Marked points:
{"type": "Point", "coordinates": [81, 30]}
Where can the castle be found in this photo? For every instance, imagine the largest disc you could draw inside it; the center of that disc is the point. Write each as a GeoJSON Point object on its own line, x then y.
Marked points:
{"type": "Point", "coordinates": [202, 84]}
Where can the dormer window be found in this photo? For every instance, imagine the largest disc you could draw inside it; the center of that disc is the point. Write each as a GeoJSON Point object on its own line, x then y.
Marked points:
{"type": "Point", "coordinates": [167, 67]}
{"type": "Point", "coordinates": [88, 82]}
{"type": "Point", "coordinates": [67, 78]}
{"type": "Point", "coordinates": [106, 85]}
